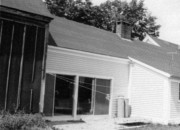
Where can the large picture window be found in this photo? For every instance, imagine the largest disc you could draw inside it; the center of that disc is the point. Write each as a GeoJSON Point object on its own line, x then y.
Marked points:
{"type": "Point", "coordinates": [92, 97]}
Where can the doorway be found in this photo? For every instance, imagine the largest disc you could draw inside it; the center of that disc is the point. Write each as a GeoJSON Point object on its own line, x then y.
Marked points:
{"type": "Point", "coordinates": [64, 90]}
{"type": "Point", "coordinates": [93, 96]}
{"type": "Point", "coordinates": [85, 96]}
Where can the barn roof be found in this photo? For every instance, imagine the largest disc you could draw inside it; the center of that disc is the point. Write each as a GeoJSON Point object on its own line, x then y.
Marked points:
{"type": "Point", "coordinates": [72, 35]}
{"type": "Point", "coordinates": [30, 6]}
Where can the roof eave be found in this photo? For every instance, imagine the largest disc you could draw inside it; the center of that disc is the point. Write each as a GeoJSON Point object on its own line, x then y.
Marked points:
{"type": "Point", "coordinates": [151, 68]}
{"type": "Point", "coordinates": [175, 78]}
{"type": "Point", "coordinates": [22, 13]}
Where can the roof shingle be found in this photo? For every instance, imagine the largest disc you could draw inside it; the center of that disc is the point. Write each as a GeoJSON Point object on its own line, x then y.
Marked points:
{"type": "Point", "coordinates": [77, 36]}
{"type": "Point", "coordinates": [165, 44]}
{"type": "Point", "coordinates": [31, 6]}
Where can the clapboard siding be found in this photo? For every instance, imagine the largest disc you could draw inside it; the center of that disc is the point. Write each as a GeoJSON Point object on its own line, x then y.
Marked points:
{"type": "Point", "coordinates": [175, 104]}
{"type": "Point", "coordinates": [62, 62]}
{"type": "Point", "coordinates": [146, 93]}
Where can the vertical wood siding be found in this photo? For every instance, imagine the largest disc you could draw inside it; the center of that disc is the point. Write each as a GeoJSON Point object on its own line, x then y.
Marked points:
{"type": "Point", "coordinates": [15, 66]}
{"type": "Point", "coordinates": [69, 63]}
{"type": "Point", "coordinates": [49, 95]}
{"type": "Point", "coordinates": [4, 56]}
{"type": "Point", "coordinates": [146, 93]}
{"type": "Point", "coordinates": [175, 103]}
{"type": "Point", "coordinates": [19, 63]}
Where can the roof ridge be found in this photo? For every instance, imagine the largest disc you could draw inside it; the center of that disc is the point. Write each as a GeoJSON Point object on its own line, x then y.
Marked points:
{"type": "Point", "coordinates": [163, 40]}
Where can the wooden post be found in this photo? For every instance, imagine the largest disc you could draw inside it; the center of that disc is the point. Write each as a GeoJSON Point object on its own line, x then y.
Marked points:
{"type": "Point", "coordinates": [9, 67]}
{"type": "Point", "coordinates": [94, 98]}
{"type": "Point", "coordinates": [31, 95]}
{"type": "Point", "coordinates": [43, 73]}
{"type": "Point", "coordinates": [75, 97]}
{"type": "Point", "coordinates": [21, 69]}
{"type": "Point", "coordinates": [54, 94]}
{"type": "Point", "coordinates": [34, 59]}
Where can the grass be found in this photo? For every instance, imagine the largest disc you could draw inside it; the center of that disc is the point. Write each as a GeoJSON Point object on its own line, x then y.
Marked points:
{"type": "Point", "coordinates": [157, 127]}
{"type": "Point", "coordinates": [22, 121]}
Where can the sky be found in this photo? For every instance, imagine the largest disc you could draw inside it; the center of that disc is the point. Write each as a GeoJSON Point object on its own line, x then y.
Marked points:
{"type": "Point", "coordinates": [168, 16]}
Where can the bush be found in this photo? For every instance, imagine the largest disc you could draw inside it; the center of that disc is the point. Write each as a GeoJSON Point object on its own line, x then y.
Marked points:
{"type": "Point", "coordinates": [22, 121]}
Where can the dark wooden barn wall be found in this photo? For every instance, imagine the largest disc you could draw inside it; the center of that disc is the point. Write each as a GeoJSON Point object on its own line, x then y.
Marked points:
{"type": "Point", "coordinates": [49, 95]}
{"type": "Point", "coordinates": [21, 59]}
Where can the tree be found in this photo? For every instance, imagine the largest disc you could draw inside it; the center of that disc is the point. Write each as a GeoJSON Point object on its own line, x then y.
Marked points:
{"type": "Point", "coordinates": [141, 20]}
{"type": "Point", "coordinates": [134, 13]}
{"type": "Point", "coordinates": [59, 7]}
{"type": "Point", "coordinates": [107, 14]}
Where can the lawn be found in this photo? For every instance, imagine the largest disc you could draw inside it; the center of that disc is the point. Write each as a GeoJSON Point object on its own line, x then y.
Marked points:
{"type": "Point", "coordinates": [156, 127]}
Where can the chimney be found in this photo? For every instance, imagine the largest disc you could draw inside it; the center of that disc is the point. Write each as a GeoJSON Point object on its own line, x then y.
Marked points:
{"type": "Point", "coordinates": [123, 29]}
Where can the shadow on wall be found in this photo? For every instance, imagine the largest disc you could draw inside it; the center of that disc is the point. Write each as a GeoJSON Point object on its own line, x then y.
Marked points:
{"type": "Point", "coordinates": [51, 41]}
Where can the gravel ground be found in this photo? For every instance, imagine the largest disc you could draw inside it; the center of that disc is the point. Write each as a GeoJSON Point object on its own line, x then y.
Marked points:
{"type": "Point", "coordinates": [105, 124]}
{"type": "Point", "coordinates": [114, 124]}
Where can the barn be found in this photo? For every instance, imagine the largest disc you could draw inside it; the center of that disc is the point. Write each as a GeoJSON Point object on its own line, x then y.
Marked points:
{"type": "Point", "coordinates": [23, 46]}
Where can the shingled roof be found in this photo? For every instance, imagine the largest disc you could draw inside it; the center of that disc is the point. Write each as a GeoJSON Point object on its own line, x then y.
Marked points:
{"type": "Point", "coordinates": [30, 6]}
{"type": "Point", "coordinates": [77, 36]}
{"type": "Point", "coordinates": [165, 44]}
{"type": "Point", "coordinates": [72, 35]}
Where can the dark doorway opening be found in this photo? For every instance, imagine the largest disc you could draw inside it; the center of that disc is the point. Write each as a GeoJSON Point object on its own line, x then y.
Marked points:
{"type": "Point", "coordinates": [93, 96]}
{"type": "Point", "coordinates": [85, 96]}
{"type": "Point", "coordinates": [102, 97]}
{"type": "Point", "coordinates": [64, 91]}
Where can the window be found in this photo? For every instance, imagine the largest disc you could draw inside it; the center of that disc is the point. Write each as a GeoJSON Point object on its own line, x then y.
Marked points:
{"type": "Point", "coordinates": [92, 97]}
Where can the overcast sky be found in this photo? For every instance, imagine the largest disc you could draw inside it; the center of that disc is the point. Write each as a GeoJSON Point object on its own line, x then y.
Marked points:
{"type": "Point", "coordinates": [168, 14]}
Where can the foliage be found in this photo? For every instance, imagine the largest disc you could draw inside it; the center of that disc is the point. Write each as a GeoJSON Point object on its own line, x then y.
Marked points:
{"type": "Point", "coordinates": [22, 121]}
{"type": "Point", "coordinates": [106, 15]}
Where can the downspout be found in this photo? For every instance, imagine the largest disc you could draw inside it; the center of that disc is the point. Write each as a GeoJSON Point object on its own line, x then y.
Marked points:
{"type": "Point", "coordinates": [131, 64]}
{"type": "Point", "coordinates": [166, 100]}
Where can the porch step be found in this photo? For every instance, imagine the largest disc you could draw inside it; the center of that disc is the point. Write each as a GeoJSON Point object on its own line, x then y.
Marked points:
{"type": "Point", "coordinates": [130, 120]}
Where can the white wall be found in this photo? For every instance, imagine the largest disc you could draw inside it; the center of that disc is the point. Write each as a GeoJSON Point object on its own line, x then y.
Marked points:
{"type": "Point", "coordinates": [84, 64]}
{"type": "Point", "coordinates": [175, 103]}
{"type": "Point", "coordinates": [147, 93]}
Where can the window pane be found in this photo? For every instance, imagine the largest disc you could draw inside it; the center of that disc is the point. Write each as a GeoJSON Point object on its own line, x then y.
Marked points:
{"type": "Point", "coordinates": [102, 96]}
